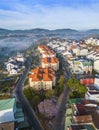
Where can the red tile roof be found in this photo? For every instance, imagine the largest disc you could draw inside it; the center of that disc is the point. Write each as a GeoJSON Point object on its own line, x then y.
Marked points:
{"type": "Point", "coordinates": [46, 74]}
{"type": "Point", "coordinates": [52, 60]}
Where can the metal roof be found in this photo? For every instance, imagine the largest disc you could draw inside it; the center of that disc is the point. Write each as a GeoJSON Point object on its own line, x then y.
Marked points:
{"type": "Point", "coordinates": [7, 104]}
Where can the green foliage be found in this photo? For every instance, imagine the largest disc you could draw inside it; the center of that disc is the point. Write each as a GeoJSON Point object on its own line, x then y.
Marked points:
{"type": "Point", "coordinates": [35, 100]}
{"type": "Point", "coordinates": [28, 93]}
{"type": "Point", "coordinates": [26, 81]}
{"type": "Point", "coordinates": [34, 96]}
{"type": "Point", "coordinates": [5, 96]}
{"type": "Point", "coordinates": [62, 80]}
{"type": "Point", "coordinates": [61, 83]}
{"type": "Point", "coordinates": [50, 93]}
{"type": "Point", "coordinates": [77, 89]}
{"type": "Point", "coordinates": [36, 60]}
{"type": "Point", "coordinates": [6, 85]}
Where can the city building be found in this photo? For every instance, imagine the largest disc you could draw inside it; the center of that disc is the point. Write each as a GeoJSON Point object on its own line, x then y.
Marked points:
{"type": "Point", "coordinates": [82, 65]}
{"type": "Point", "coordinates": [46, 51]}
{"type": "Point", "coordinates": [19, 57]}
{"type": "Point", "coordinates": [11, 115]}
{"type": "Point", "coordinates": [92, 95]}
{"type": "Point", "coordinates": [50, 62]}
{"type": "Point", "coordinates": [42, 78]}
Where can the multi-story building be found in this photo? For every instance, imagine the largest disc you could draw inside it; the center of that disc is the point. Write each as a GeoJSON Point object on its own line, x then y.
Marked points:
{"type": "Point", "coordinates": [11, 114]}
{"type": "Point", "coordinates": [42, 78]}
{"type": "Point", "coordinates": [46, 51]}
{"type": "Point", "coordinates": [82, 65]}
{"type": "Point", "coordinates": [50, 62]}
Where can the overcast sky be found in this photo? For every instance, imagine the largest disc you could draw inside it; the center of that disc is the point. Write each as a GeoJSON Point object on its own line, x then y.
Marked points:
{"type": "Point", "coordinates": [49, 14]}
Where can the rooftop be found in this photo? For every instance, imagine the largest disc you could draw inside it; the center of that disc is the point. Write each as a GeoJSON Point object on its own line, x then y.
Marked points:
{"type": "Point", "coordinates": [82, 119]}
{"type": "Point", "coordinates": [82, 127]}
{"type": "Point", "coordinates": [7, 104]}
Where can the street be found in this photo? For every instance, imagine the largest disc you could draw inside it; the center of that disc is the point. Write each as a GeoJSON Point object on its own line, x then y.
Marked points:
{"type": "Point", "coordinates": [32, 118]}
{"type": "Point", "coordinates": [59, 124]}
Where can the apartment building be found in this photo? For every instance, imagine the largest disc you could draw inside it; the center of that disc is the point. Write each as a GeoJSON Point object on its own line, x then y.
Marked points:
{"type": "Point", "coordinates": [50, 62]}
{"type": "Point", "coordinates": [42, 78]}
{"type": "Point", "coordinates": [46, 51]}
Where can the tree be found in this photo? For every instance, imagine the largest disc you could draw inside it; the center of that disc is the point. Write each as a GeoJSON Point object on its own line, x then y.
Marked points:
{"type": "Point", "coordinates": [76, 88]}
{"type": "Point", "coordinates": [35, 100]}
{"type": "Point", "coordinates": [62, 80]}
{"type": "Point", "coordinates": [28, 93]}
{"type": "Point", "coordinates": [49, 93]}
{"type": "Point", "coordinates": [61, 83]}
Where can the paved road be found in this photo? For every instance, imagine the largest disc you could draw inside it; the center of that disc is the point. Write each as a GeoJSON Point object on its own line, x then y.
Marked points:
{"type": "Point", "coordinates": [59, 124]}
{"type": "Point", "coordinates": [33, 120]}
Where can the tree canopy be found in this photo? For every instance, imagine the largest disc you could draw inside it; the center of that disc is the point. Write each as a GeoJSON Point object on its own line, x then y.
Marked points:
{"type": "Point", "coordinates": [76, 87]}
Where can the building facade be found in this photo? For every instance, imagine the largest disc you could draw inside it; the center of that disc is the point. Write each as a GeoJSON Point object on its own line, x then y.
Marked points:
{"type": "Point", "coordinates": [42, 78]}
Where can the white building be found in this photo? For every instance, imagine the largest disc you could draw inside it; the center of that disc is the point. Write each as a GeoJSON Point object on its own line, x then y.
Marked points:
{"type": "Point", "coordinates": [13, 71]}
{"type": "Point", "coordinates": [92, 95]}
{"type": "Point", "coordinates": [20, 57]}
{"type": "Point", "coordinates": [7, 109]}
{"type": "Point", "coordinates": [10, 114]}
{"type": "Point", "coordinates": [92, 41]}
{"type": "Point", "coordinates": [96, 65]}
{"type": "Point", "coordinates": [83, 51]}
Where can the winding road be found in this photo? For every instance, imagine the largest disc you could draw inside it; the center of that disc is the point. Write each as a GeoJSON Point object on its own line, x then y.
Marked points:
{"type": "Point", "coordinates": [59, 124]}
{"type": "Point", "coordinates": [32, 118]}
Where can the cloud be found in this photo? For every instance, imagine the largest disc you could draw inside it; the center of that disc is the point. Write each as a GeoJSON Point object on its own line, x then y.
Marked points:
{"type": "Point", "coordinates": [25, 16]}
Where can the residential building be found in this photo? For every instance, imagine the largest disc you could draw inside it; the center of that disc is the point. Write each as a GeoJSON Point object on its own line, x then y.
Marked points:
{"type": "Point", "coordinates": [7, 109]}
{"type": "Point", "coordinates": [92, 41]}
{"type": "Point", "coordinates": [46, 51]}
{"type": "Point", "coordinates": [82, 119]}
{"type": "Point", "coordinates": [11, 114]}
{"type": "Point", "coordinates": [82, 65]}
{"type": "Point", "coordinates": [14, 64]}
{"type": "Point", "coordinates": [20, 57]}
{"type": "Point", "coordinates": [92, 95]}
{"type": "Point", "coordinates": [50, 62]}
{"type": "Point", "coordinates": [96, 65]}
{"type": "Point", "coordinates": [42, 78]}
{"type": "Point", "coordinates": [80, 114]}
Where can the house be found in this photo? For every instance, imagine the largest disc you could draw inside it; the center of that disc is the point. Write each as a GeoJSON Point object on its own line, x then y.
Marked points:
{"type": "Point", "coordinates": [96, 65]}
{"type": "Point", "coordinates": [50, 62]}
{"type": "Point", "coordinates": [83, 51]}
{"type": "Point", "coordinates": [11, 113]}
{"type": "Point", "coordinates": [87, 81]}
{"type": "Point", "coordinates": [42, 78]}
{"type": "Point", "coordinates": [82, 65]}
{"type": "Point", "coordinates": [92, 41]}
{"type": "Point", "coordinates": [20, 57]}
{"type": "Point", "coordinates": [46, 51]}
{"type": "Point", "coordinates": [81, 114]}
{"type": "Point", "coordinates": [14, 64]}
{"type": "Point", "coordinates": [87, 126]}
{"type": "Point", "coordinates": [12, 68]}
{"type": "Point", "coordinates": [82, 119]}
{"type": "Point", "coordinates": [92, 95]}
{"type": "Point", "coordinates": [7, 109]}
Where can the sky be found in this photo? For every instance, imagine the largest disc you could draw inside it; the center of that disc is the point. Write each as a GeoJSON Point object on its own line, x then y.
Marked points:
{"type": "Point", "coordinates": [49, 14]}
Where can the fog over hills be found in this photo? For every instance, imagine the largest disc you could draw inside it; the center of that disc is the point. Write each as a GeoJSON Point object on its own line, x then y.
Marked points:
{"type": "Point", "coordinates": [15, 40]}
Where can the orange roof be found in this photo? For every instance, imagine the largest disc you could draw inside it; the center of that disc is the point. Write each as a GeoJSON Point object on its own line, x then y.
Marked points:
{"type": "Point", "coordinates": [37, 70]}
{"type": "Point", "coordinates": [41, 70]}
{"type": "Point", "coordinates": [73, 47]}
{"type": "Point", "coordinates": [45, 74]}
{"type": "Point", "coordinates": [46, 50]}
{"type": "Point", "coordinates": [50, 60]}
{"type": "Point", "coordinates": [46, 77]}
